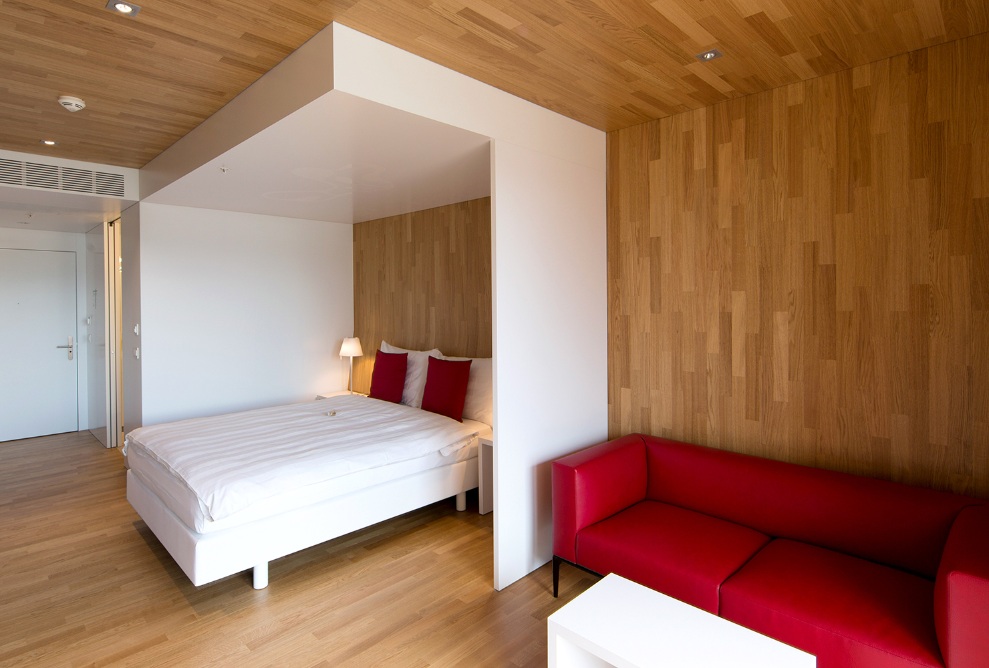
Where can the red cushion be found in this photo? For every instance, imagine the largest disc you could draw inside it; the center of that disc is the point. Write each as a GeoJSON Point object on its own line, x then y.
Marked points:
{"type": "Point", "coordinates": [446, 387]}
{"type": "Point", "coordinates": [845, 610]}
{"type": "Point", "coordinates": [887, 522]}
{"type": "Point", "coordinates": [388, 377]}
{"type": "Point", "coordinates": [676, 551]}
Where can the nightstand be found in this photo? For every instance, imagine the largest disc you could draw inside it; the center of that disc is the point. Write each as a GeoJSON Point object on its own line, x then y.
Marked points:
{"type": "Point", "coordinates": [485, 476]}
{"type": "Point", "coordinates": [327, 395]}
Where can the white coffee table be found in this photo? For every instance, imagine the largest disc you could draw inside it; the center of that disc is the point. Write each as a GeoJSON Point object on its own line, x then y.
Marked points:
{"type": "Point", "coordinates": [623, 624]}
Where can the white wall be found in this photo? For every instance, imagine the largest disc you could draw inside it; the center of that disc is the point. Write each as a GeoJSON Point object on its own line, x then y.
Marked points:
{"type": "Point", "coordinates": [63, 241]}
{"type": "Point", "coordinates": [94, 317]}
{"type": "Point", "coordinates": [239, 311]}
{"type": "Point", "coordinates": [550, 281]}
{"type": "Point", "coordinates": [130, 314]}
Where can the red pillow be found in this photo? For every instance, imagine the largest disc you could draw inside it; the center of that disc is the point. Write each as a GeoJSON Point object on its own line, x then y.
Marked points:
{"type": "Point", "coordinates": [388, 377]}
{"type": "Point", "coordinates": [446, 387]}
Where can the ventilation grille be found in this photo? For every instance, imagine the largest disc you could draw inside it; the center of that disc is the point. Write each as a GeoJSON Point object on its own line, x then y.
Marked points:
{"type": "Point", "coordinates": [53, 177]}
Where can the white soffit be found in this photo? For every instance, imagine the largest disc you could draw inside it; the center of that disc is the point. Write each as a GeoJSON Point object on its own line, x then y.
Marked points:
{"type": "Point", "coordinates": [340, 159]}
{"type": "Point", "coordinates": [55, 212]}
{"type": "Point", "coordinates": [59, 195]}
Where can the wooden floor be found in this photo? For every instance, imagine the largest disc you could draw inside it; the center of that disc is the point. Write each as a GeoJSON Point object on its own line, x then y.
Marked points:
{"type": "Point", "coordinates": [83, 582]}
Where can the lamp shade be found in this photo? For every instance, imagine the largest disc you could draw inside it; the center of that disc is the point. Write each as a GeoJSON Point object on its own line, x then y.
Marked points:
{"type": "Point", "coordinates": [351, 348]}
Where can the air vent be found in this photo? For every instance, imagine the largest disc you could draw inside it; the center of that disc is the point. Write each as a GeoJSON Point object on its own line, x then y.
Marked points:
{"type": "Point", "coordinates": [105, 183]}
{"type": "Point", "coordinates": [11, 172]}
{"type": "Point", "coordinates": [37, 175]}
{"type": "Point", "coordinates": [68, 179]}
{"type": "Point", "coordinates": [77, 180]}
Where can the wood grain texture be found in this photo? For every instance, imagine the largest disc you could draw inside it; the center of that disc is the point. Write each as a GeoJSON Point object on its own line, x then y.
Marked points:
{"type": "Point", "coordinates": [423, 280]}
{"type": "Point", "coordinates": [803, 274]}
{"type": "Point", "coordinates": [85, 583]}
{"type": "Point", "coordinates": [150, 79]}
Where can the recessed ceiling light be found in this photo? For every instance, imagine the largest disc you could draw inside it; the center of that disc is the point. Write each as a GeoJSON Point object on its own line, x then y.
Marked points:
{"type": "Point", "coordinates": [49, 142]}
{"type": "Point", "coordinates": [121, 7]}
{"type": "Point", "coordinates": [709, 55]}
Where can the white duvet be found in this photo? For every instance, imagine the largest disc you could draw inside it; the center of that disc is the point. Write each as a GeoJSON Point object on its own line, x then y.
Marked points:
{"type": "Point", "coordinates": [231, 462]}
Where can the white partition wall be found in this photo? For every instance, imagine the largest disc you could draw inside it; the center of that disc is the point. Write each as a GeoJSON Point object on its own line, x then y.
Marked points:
{"type": "Point", "coordinates": [550, 336]}
{"type": "Point", "coordinates": [549, 265]}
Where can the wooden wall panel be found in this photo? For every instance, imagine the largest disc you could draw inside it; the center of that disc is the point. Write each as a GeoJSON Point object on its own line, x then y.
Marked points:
{"type": "Point", "coordinates": [423, 280]}
{"type": "Point", "coordinates": [803, 274]}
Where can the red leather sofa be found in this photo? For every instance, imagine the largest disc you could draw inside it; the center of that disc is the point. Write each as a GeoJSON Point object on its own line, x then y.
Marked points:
{"type": "Point", "coordinates": [857, 571]}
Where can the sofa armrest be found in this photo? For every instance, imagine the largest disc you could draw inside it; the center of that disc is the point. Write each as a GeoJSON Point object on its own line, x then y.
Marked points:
{"type": "Point", "coordinates": [593, 484]}
{"type": "Point", "coordinates": [961, 591]}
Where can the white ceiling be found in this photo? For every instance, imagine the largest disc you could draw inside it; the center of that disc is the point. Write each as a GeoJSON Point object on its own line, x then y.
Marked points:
{"type": "Point", "coordinates": [341, 159]}
{"type": "Point", "coordinates": [338, 159]}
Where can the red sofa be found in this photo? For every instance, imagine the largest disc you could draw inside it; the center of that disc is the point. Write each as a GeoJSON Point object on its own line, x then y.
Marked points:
{"type": "Point", "coordinates": [857, 571]}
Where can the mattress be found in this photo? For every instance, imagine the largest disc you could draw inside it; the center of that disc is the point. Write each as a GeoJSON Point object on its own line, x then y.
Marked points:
{"type": "Point", "coordinates": [290, 456]}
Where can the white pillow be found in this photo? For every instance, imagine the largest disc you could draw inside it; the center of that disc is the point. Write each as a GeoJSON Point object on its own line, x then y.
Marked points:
{"type": "Point", "coordinates": [415, 372]}
{"type": "Point", "coordinates": [480, 390]}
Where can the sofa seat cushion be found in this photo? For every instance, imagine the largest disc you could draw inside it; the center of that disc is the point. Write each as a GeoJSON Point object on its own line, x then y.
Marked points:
{"type": "Point", "coordinates": [845, 610]}
{"type": "Point", "coordinates": [679, 552]}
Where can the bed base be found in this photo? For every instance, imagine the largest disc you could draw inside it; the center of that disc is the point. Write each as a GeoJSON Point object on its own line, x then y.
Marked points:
{"type": "Point", "coordinates": [206, 557]}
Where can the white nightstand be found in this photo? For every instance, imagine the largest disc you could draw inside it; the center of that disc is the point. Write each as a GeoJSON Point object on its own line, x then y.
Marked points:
{"type": "Point", "coordinates": [485, 476]}
{"type": "Point", "coordinates": [327, 395]}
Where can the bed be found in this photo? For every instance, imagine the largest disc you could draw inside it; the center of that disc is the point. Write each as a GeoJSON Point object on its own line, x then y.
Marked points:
{"type": "Point", "coordinates": [229, 493]}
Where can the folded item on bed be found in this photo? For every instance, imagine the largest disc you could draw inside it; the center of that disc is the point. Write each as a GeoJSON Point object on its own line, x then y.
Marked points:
{"type": "Point", "coordinates": [232, 461]}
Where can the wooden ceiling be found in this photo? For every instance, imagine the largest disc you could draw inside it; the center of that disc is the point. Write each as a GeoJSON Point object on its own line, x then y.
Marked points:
{"type": "Point", "coordinates": [150, 79]}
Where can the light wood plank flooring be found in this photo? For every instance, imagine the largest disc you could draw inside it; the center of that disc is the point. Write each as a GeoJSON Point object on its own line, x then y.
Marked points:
{"type": "Point", "coordinates": [83, 582]}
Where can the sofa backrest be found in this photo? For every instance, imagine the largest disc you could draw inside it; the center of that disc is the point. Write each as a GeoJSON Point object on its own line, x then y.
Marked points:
{"type": "Point", "coordinates": [593, 484]}
{"type": "Point", "coordinates": [882, 521]}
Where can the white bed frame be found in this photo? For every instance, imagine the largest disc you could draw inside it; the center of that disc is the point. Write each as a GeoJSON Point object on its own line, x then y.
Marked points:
{"type": "Point", "coordinates": [206, 557]}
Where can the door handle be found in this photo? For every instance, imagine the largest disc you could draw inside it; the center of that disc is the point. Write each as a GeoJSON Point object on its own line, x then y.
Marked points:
{"type": "Point", "coordinates": [71, 347]}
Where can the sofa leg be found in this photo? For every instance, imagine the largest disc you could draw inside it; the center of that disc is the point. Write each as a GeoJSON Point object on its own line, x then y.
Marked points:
{"type": "Point", "coordinates": [556, 576]}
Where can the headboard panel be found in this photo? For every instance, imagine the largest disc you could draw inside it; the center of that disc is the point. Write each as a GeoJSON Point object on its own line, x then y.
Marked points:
{"type": "Point", "coordinates": [422, 280]}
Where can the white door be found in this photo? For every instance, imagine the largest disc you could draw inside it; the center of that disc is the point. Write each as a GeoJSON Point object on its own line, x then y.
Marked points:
{"type": "Point", "coordinates": [37, 343]}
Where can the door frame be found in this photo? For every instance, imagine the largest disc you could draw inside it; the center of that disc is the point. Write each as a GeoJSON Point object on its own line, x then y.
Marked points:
{"type": "Point", "coordinates": [112, 303]}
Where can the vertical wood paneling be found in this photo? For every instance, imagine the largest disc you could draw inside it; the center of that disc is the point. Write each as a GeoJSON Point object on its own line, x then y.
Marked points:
{"type": "Point", "coordinates": [422, 280]}
{"type": "Point", "coordinates": [803, 274]}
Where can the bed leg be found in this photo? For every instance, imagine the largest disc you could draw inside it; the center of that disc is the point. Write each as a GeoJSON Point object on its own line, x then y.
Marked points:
{"type": "Point", "coordinates": [261, 575]}
{"type": "Point", "coordinates": [462, 501]}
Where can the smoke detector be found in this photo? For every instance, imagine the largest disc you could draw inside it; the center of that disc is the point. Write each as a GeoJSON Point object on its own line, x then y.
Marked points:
{"type": "Point", "coordinates": [71, 103]}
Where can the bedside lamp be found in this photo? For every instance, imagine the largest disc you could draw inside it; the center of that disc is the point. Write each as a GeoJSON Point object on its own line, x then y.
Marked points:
{"type": "Point", "coordinates": [351, 348]}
